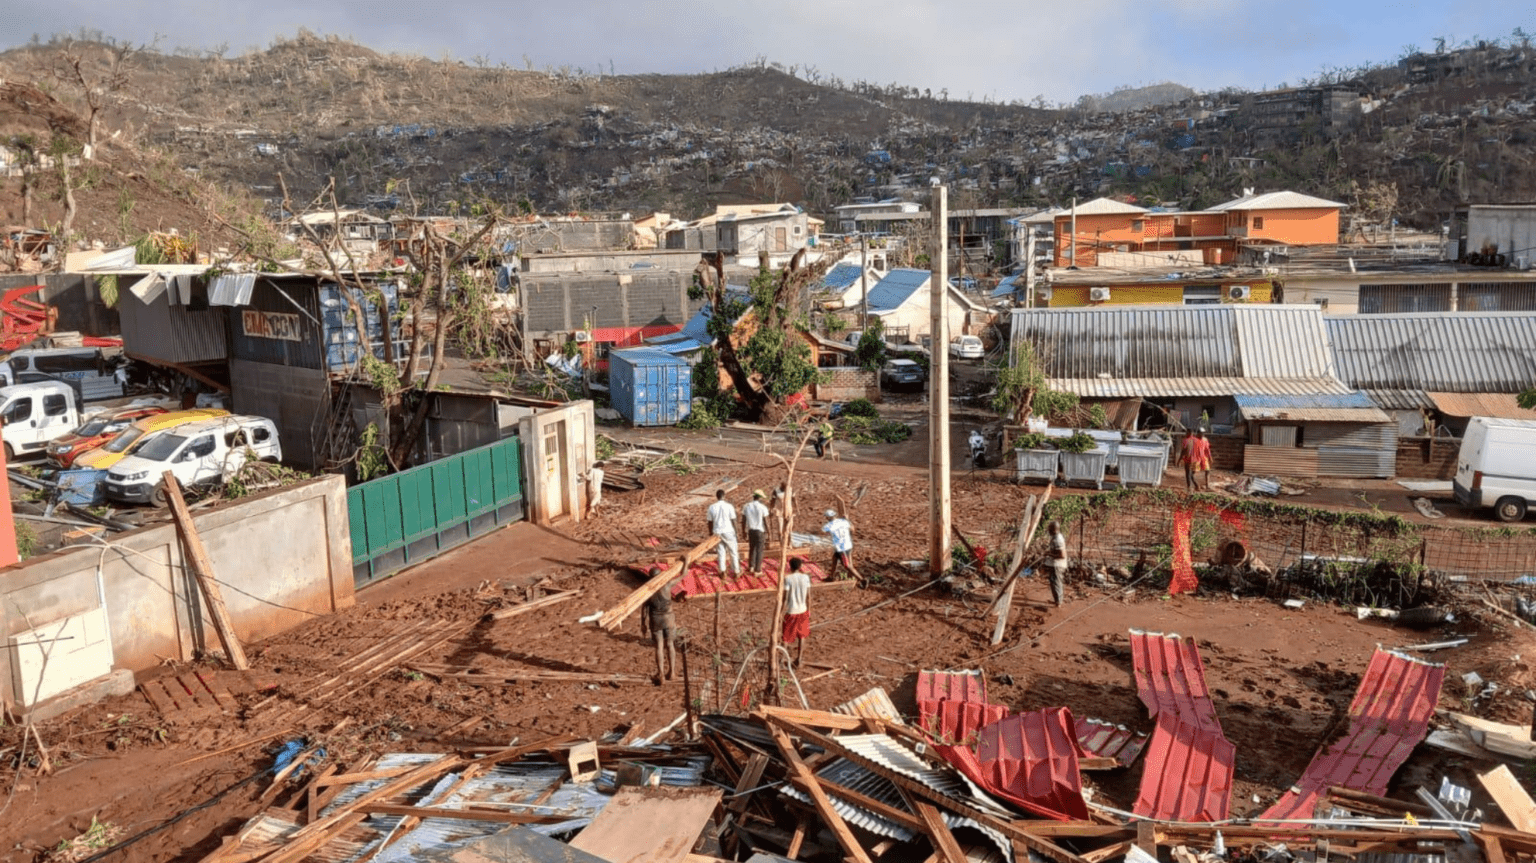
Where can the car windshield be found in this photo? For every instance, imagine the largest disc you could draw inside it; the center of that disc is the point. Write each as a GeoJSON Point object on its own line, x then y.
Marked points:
{"type": "Point", "coordinates": [122, 442]}
{"type": "Point", "coordinates": [160, 447]}
{"type": "Point", "coordinates": [93, 428]}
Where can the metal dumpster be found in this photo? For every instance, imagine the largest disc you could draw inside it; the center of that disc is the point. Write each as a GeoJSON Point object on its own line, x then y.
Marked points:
{"type": "Point", "coordinates": [1035, 464]}
{"type": "Point", "coordinates": [1107, 440]}
{"type": "Point", "coordinates": [1142, 464]}
{"type": "Point", "coordinates": [1084, 466]}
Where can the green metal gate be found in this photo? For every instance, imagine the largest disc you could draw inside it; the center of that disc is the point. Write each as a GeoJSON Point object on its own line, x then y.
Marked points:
{"type": "Point", "coordinates": [408, 517]}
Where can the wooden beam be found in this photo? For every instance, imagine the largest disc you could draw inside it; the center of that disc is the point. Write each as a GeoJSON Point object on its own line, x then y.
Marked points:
{"type": "Point", "coordinates": [1003, 602]}
{"type": "Point", "coordinates": [884, 810]}
{"type": "Point", "coordinates": [1098, 855]}
{"type": "Point", "coordinates": [1078, 830]}
{"type": "Point", "coordinates": [814, 718]}
{"type": "Point", "coordinates": [420, 812]}
{"type": "Point", "coordinates": [1146, 837]}
{"type": "Point", "coordinates": [351, 778]}
{"type": "Point", "coordinates": [1513, 800]}
{"type": "Point", "coordinates": [806, 780]}
{"type": "Point", "coordinates": [202, 570]}
{"type": "Point", "coordinates": [937, 831]}
{"type": "Point", "coordinates": [631, 604]}
{"type": "Point", "coordinates": [534, 604]}
{"type": "Point", "coordinates": [185, 369]}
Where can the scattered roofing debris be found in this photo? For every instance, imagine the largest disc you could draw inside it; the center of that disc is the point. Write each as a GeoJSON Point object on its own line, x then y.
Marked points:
{"type": "Point", "coordinates": [1188, 771]}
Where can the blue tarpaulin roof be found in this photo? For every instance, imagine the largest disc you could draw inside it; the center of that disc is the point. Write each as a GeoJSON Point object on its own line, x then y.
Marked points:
{"type": "Point", "coordinates": [842, 276]}
{"type": "Point", "coordinates": [1310, 400]}
{"type": "Point", "coordinates": [695, 334]}
{"type": "Point", "coordinates": [1006, 288]}
{"type": "Point", "coordinates": [896, 288]}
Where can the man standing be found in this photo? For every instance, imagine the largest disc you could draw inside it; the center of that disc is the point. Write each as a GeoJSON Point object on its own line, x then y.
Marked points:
{"type": "Point", "coordinates": [842, 544]}
{"type": "Point", "coordinates": [1058, 558]}
{"type": "Point", "coordinates": [755, 517]}
{"type": "Point", "coordinates": [1196, 456]}
{"type": "Point", "coordinates": [594, 487]}
{"type": "Point", "coordinates": [722, 523]}
{"type": "Point", "coordinates": [663, 628]}
{"type": "Point", "coordinates": [797, 610]}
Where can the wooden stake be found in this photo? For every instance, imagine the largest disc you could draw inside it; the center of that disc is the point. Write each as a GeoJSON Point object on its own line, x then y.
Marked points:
{"type": "Point", "coordinates": [944, 843]}
{"type": "Point", "coordinates": [806, 780]}
{"type": "Point", "coordinates": [786, 531]}
{"type": "Point", "coordinates": [202, 570]}
{"type": "Point", "coordinates": [1004, 600]}
{"type": "Point", "coordinates": [938, 390]}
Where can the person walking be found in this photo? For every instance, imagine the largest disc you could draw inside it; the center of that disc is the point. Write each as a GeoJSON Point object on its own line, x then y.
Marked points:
{"type": "Point", "coordinates": [797, 610]}
{"type": "Point", "coordinates": [1196, 456]}
{"type": "Point", "coordinates": [663, 630]}
{"type": "Point", "coordinates": [754, 516]}
{"type": "Point", "coordinates": [1058, 558]}
{"type": "Point", "coordinates": [722, 523]}
{"type": "Point", "coordinates": [594, 479]}
{"type": "Point", "coordinates": [841, 532]}
{"type": "Point", "coordinates": [776, 509]}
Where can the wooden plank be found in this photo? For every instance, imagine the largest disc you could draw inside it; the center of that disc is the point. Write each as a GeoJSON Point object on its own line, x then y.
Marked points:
{"type": "Point", "coordinates": [1492, 848]}
{"type": "Point", "coordinates": [420, 812]}
{"type": "Point", "coordinates": [631, 604]}
{"type": "Point", "coordinates": [1146, 837]}
{"type": "Point", "coordinates": [1501, 738]}
{"type": "Point", "coordinates": [938, 832]}
{"type": "Point", "coordinates": [534, 604]}
{"type": "Point", "coordinates": [312, 793]}
{"type": "Point", "coordinates": [202, 570]}
{"type": "Point", "coordinates": [198, 692]}
{"type": "Point", "coordinates": [1099, 855]}
{"type": "Point", "coordinates": [307, 839]}
{"type": "Point", "coordinates": [884, 810]}
{"type": "Point", "coordinates": [1513, 800]}
{"type": "Point", "coordinates": [154, 692]}
{"type": "Point", "coordinates": [354, 778]}
{"type": "Point", "coordinates": [806, 781]}
{"type": "Point", "coordinates": [1077, 830]}
{"type": "Point", "coordinates": [220, 691]}
{"type": "Point", "coordinates": [751, 776]}
{"type": "Point", "coordinates": [656, 825]}
{"type": "Point", "coordinates": [814, 718]}
{"type": "Point", "coordinates": [797, 839]}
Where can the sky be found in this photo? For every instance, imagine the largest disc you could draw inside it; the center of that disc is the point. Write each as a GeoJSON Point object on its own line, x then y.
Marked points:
{"type": "Point", "coordinates": [1003, 51]}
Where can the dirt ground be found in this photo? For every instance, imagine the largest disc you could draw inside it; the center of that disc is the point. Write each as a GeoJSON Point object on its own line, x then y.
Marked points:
{"type": "Point", "coordinates": [1281, 678]}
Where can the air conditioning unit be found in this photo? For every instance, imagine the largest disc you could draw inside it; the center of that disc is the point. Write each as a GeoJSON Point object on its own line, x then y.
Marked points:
{"type": "Point", "coordinates": [581, 336]}
{"type": "Point", "coordinates": [1044, 293]}
{"type": "Point", "coordinates": [1239, 292]}
{"type": "Point", "coordinates": [1098, 295]}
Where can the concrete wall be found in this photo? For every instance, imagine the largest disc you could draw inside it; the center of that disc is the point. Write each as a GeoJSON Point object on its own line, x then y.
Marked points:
{"type": "Point", "coordinates": [281, 557]}
{"type": "Point", "coordinates": [577, 262]}
{"type": "Point", "coordinates": [1415, 460]}
{"type": "Point", "coordinates": [1511, 228]}
{"type": "Point", "coordinates": [1302, 227]}
{"type": "Point", "coordinates": [559, 445]}
{"type": "Point", "coordinates": [846, 384]}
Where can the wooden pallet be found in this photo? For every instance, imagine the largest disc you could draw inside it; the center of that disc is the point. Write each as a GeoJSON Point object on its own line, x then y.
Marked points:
{"type": "Point", "coordinates": [189, 697]}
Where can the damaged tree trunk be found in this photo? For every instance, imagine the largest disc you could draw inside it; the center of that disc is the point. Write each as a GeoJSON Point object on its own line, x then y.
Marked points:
{"type": "Point", "coordinates": [711, 275]}
{"type": "Point", "coordinates": [786, 531]}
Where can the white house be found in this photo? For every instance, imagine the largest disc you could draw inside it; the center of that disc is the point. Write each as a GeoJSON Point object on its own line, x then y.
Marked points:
{"type": "Point", "coordinates": [902, 301]}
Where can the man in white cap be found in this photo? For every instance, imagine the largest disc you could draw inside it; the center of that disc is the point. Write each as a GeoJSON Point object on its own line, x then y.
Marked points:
{"type": "Point", "coordinates": [842, 544]}
{"type": "Point", "coordinates": [755, 518]}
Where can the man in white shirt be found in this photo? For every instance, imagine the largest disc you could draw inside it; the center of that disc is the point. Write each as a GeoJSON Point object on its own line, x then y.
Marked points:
{"type": "Point", "coordinates": [722, 523]}
{"type": "Point", "coordinates": [755, 517]}
{"type": "Point", "coordinates": [797, 610]}
{"type": "Point", "coordinates": [842, 544]}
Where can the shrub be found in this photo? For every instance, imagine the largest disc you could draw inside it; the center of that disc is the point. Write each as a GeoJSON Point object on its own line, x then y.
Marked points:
{"type": "Point", "coordinates": [1031, 440]}
{"type": "Point", "coordinates": [861, 408]}
{"type": "Point", "coordinates": [1078, 442]}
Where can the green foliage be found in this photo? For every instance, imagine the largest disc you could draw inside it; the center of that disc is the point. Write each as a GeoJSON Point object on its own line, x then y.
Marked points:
{"type": "Point", "coordinates": [1022, 388]}
{"type": "Point", "coordinates": [861, 408]}
{"type": "Point", "coordinates": [1527, 399]}
{"type": "Point", "coordinates": [836, 326]}
{"type": "Point", "coordinates": [605, 447]}
{"type": "Point", "coordinates": [569, 349]}
{"type": "Point", "coordinates": [871, 352]}
{"type": "Point", "coordinates": [1077, 442]}
{"type": "Point", "coordinates": [381, 376]}
{"type": "Point", "coordinates": [1030, 440]}
{"type": "Point", "coordinates": [1098, 417]}
{"type": "Point", "coordinates": [27, 539]}
{"type": "Point", "coordinates": [372, 462]}
{"type": "Point", "coordinates": [867, 431]}
{"type": "Point", "coordinates": [701, 417]}
{"type": "Point", "coordinates": [106, 288]}
{"type": "Point", "coordinates": [706, 375]}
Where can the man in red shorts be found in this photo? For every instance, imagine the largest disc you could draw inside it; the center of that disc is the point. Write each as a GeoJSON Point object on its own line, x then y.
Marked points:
{"type": "Point", "coordinates": [1196, 456]}
{"type": "Point", "coordinates": [797, 611]}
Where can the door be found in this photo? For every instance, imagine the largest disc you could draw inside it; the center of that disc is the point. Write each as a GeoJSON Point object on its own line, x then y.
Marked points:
{"type": "Point", "coordinates": [199, 461]}
{"type": "Point", "coordinates": [781, 239]}
{"type": "Point", "coordinates": [20, 424]}
{"type": "Point", "coordinates": [58, 420]}
{"type": "Point", "coordinates": [553, 452]}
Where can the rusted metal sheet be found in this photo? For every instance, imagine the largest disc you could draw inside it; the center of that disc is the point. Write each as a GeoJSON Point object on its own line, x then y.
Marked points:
{"type": "Point", "coordinates": [1387, 718]}
{"type": "Point", "coordinates": [1187, 775]}
{"type": "Point", "coordinates": [874, 704]}
{"type": "Point", "coordinates": [704, 578]}
{"type": "Point", "coordinates": [1279, 461]}
{"type": "Point", "coordinates": [1034, 756]}
{"type": "Point", "coordinates": [1108, 740]}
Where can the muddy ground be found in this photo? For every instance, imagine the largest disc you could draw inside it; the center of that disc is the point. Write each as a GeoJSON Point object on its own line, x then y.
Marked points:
{"type": "Point", "coordinates": [1281, 678]}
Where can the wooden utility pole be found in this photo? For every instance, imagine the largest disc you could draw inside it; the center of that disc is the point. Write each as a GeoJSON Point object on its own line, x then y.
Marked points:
{"type": "Point", "coordinates": [938, 389]}
{"type": "Point", "coordinates": [1029, 269]}
{"type": "Point", "coordinates": [202, 569]}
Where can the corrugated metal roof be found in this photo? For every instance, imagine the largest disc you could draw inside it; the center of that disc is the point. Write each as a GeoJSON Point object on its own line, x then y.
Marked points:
{"type": "Point", "coordinates": [1102, 207]}
{"type": "Point", "coordinates": [889, 754]}
{"type": "Point", "coordinates": [1355, 407]}
{"type": "Point", "coordinates": [1501, 405]}
{"type": "Point", "coordinates": [1278, 201]}
{"type": "Point", "coordinates": [1388, 717]}
{"type": "Point", "coordinates": [1033, 756]}
{"type": "Point", "coordinates": [649, 357]}
{"type": "Point", "coordinates": [1187, 774]}
{"type": "Point", "coordinates": [1108, 740]}
{"type": "Point", "coordinates": [959, 722]}
{"type": "Point", "coordinates": [936, 686]}
{"type": "Point", "coordinates": [842, 276]}
{"type": "Point", "coordinates": [704, 578]}
{"type": "Point", "coordinates": [898, 286]}
{"type": "Point", "coordinates": [874, 704]}
{"type": "Point", "coordinates": [1192, 387]}
{"type": "Point", "coordinates": [1400, 400]}
{"type": "Point", "coordinates": [1466, 352]}
{"type": "Point", "coordinates": [1263, 342]}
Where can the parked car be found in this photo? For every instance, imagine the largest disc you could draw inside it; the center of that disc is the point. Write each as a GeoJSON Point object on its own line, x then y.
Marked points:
{"type": "Point", "coordinates": [198, 453]}
{"type": "Point", "coordinates": [137, 434]}
{"type": "Point", "coordinates": [36, 414]}
{"type": "Point", "coordinates": [967, 348]}
{"type": "Point", "coordinates": [902, 373]}
{"type": "Point", "coordinates": [96, 431]}
{"type": "Point", "coordinates": [93, 374]}
{"type": "Point", "coordinates": [1497, 467]}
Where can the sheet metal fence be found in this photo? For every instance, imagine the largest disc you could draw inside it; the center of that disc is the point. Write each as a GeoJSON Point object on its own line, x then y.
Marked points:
{"type": "Point", "coordinates": [408, 517]}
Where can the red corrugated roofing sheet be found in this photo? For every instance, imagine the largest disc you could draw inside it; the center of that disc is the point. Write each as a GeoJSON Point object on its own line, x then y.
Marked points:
{"type": "Point", "coordinates": [1187, 775]}
{"type": "Point", "coordinates": [704, 578]}
{"type": "Point", "coordinates": [1388, 717]}
{"type": "Point", "coordinates": [1033, 756]}
{"type": "Point", "coordinates": [949, 721]}
{"type": "Point", "coordinates": [629, 337]}
{"type": "Point", "coordinates": [964, 759]}
{"type": "Point", "coordinates": [1108, 740]}
{"type": "Point", "coordinates": [936, 686]}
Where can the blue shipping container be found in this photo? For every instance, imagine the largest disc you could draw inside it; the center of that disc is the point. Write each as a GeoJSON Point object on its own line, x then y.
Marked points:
{"type": "Point", "coordinates": [650, 387]}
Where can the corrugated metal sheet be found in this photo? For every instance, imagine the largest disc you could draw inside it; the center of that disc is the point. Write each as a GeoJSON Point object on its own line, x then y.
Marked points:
{"type": "Point", "coordinates": [1388, 717]}
{"type": "Point", "coordinates": [874, 704]}
{"type": "Point", "coordinates": [1277, 201]}
{"type": "Point", "coordinates": [1187, 775]}
{"type": "Point", "coordinates": [1279, 461]}
{"type": "Point", "coordinates": [1372, 436]}
{"type": "Point", "coordinates": [936, 686]}
{"type": "Point", "coordinates": [1282, 341]}
{"type": "Point", "coordinates": [231, 289]}
{"type": "Point", "coordinates": [1501, 405]}
{"type": "Point", "coordinates": [959, 722]}
{"type": "Point", "coordinates": [1400, 400]}
{"type": "Point", "coordinates": [891, 755]}
{"type": "Point", "coordinates": [1352, 407]}
{"type": "Point", "coordinates": [1355, 463]}
{"type": "Point", "coordinates": [160, 331]}
{"type": "Point", "coordinates": [1275, 435]}
{"type": "Point", "coordinates": [274, 826]}
{"type": "Point", "coordinates": [898, 286]}
{"type": "Point", "coordinates": [1194, 387]}
{"type": "Point", "coordinates": [1033, 756]}
{"type": "Point", "coordinates": [1463, 352]}
{"type": "Point", "coordinates": [1108, 740]}
{"type": "Point", "coordinates": [704, 578]}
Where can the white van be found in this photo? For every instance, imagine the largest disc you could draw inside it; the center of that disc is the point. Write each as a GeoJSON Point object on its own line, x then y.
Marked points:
{"type": "Point", "coordinates": [94, 375]}
{"type": "Point", "coordinates": [206, 451]}
{"type": "Point", "coordinates": [1497, 467]}
{"type": "Point", "coordinates": [36, 414]}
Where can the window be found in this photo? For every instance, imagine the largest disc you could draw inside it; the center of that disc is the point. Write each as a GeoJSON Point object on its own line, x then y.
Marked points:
{"type": "Point", "coordinates": [1322, 303]}
{"type": "Point", "coordinates": [261, 434]}
{"type": "Point", "coordinates": [201, 447]}
{"type": "Point", "coordinates": [65, 363]}
{"type": "Point", "coordinates": [18, 410]}
{"type": "Point", "coordinates": [1399, 299]}
{"type": "Point", "coordinates": [55, 405]}
{"type": "Point", "coordinates": [1202, 295]}
{"type": "Point", "coordinates": [1258, 223]}
{"type": "Point", "coordinates": [1138, 225]}
{"type": "Point", "coordinates": [799, 230]}
{"type": "Point", "coordinates": [235, 439]}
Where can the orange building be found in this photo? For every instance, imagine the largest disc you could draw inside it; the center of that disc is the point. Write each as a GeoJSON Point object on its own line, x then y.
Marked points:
{"type": "Point", "coordinates": [1100, 224]}
{"type": "Point", "coordinates": [1283, 218]}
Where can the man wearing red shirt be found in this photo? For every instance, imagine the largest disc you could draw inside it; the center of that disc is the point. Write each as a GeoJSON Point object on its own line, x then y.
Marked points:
{"type": "Point", "coordinates": [1196, 456]}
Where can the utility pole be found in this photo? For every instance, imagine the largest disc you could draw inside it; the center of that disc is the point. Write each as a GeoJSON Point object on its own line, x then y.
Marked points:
{"type": "Point", "coordinates": [938, 389]}
{"type": "Point", "coordinates": [863, 284]}
{"type": "Point", "coordinates": [1072, 255]}
{"type": "Point", "coordinates": [1029, 270]}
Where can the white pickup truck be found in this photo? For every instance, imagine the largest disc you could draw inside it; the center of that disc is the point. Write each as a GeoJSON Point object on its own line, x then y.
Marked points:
{"type": "Point", "coordinates": [35, 414]}
{"type": "Point", "coordinates": [1497, 467]}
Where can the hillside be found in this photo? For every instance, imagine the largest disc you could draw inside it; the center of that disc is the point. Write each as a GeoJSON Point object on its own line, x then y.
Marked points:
{"type": "Point", "coordinates": [405, 131]}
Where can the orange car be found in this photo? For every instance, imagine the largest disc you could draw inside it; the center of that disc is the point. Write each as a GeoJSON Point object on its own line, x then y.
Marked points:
{"type": "Point", "coordinates": [97, 431]}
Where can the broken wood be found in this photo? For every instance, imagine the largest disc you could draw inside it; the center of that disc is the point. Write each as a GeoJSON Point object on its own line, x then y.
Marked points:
{"type": "Point", "coordinates": [506, 677]}
{"type": "Point", "coordinates": [463, 814]}
{"type": "Point", "coordinates": [884, 810]}
{"type": "Point", "coordinates": [534, 604]}
{"type": "Point", "coordinates": [1512, 799]}
{"type": "Point", "coordinates": [615, 616]}
{"type": "Point", "coordinates": [937, 831]}
{"type": "Point", "coordinates": [806, 781]}
{"type": "Point", "coordinates": [1511, 741]}
{"type": "Point", "coordinates": [813, 718]}
{"type": "Point", "coordinates": [202, 570]}
{"type": "Point", "coordinates": [1003, 602]}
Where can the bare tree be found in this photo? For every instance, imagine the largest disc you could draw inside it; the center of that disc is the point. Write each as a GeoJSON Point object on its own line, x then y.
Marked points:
{"type": "Point", "coordinates": [99, 71]}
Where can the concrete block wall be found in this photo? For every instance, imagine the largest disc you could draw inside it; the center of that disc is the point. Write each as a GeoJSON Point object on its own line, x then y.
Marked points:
{"type": "Point", "coordinates": [1226, 451]}
{"type": "Point", "coordinates": [847, 383]}
{"type": "Point", "coordinates": [1416, 461]}
{"type": "Point", "coordinates": [281, 557]}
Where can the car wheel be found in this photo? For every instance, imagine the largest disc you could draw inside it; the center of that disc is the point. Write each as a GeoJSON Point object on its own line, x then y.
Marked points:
{"type": "Point", "coordinates": [157, 497]}
{"type": "Point", "coordinates": [10, 454]}
{"type": "Point", "coordinates": [1510, 509]}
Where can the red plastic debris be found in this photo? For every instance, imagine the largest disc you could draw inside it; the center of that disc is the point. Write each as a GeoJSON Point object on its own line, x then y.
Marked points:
{"type": "Point", "coordinates": [1184, 578]}
{"type": "Point", "coordinates": [1387, 718]}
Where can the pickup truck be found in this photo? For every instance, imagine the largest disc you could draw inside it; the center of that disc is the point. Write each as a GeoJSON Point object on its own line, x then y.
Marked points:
{"type": "Point", "coordinates": [35, 414]}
